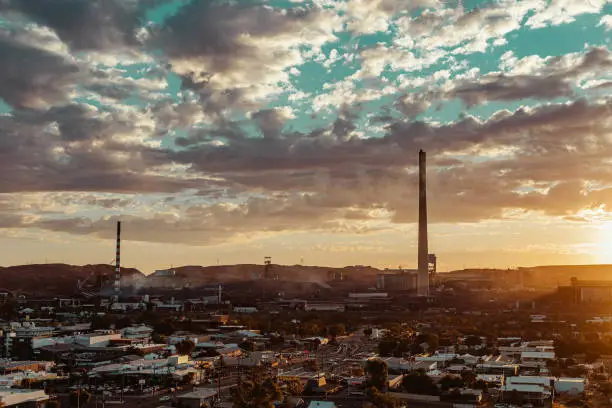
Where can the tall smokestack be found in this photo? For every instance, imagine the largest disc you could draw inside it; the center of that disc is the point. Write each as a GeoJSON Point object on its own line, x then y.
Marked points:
{"type": "Point", "coordinates": [423, 281]}
{"type": "Point", "coordinates": [117, 283]}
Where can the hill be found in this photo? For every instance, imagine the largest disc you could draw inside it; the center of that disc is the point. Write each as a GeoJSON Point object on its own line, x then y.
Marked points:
{"type": "Point", "coordinates": [540, 277]}
{"type": "Point", "coordinates": [57, 279]}
{"type": "Point", "coordinates": [61, 279]}
{"type": "Point", "coordinates": [195, 276]}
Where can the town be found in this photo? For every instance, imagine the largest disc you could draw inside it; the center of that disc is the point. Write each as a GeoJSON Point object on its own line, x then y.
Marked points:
{"type": "Point", "coordinates": [463, 345]}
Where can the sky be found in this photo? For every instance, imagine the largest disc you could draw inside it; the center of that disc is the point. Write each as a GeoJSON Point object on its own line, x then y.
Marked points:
{"type": "Point", "coordinates": [221, 132]}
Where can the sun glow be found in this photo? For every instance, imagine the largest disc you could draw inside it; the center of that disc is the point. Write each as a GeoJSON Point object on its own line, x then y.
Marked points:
{"type": "Point", "coordinates": [604, 246]}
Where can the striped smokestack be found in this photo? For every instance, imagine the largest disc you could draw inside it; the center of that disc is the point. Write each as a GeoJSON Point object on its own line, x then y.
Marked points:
{"type": "Point", "coordinates": [117, 283]}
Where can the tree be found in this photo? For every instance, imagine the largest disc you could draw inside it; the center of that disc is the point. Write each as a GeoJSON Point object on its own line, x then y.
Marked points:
{"type": "Point", "coordinates": [337, 330]}
{"type": "Point", "coordinates": [468, 377]}
{"type": "Point", "coordinates": [188, 378]}
{"type": "Point", "coordinates": [248, 345]}
{"type": "Point", "coordinates": [9, 310]}
{"type": "Point", "coordinates": [292, 386]}
{"type": "Point", "coordinates": [380, 400]}
{"type": "Point", "coordinates": [185, 347]}
{"type": "Point", "coordinates": [387, 346]}
{"type": "Point", "coordinates": [481, 385]}
{"type": "Point", "coordinates": [377, 374]}
{"type": "Point", "coordinates": [430, 339]}
{"type": "Point", "coordinates": [605, 388]}
{"type": "Point", "coordinates": [419, 383]}
{"type": "Point", "coordinates": [79, 397]}
{"type": "Point", "coordinates": [101, 322]}
{"type": "Point", "coordinates": [123, 323]}
{"type": "Point", "coordinates": [450, 381]}
{"type": "Point", "coordinates": [472, 341]}
{"type": "Point", "coordinates": [165, 328]}
{"type": "Point", "coordinates": [256, 394]}
{"type": "Point", "coordinates": [277, 340]}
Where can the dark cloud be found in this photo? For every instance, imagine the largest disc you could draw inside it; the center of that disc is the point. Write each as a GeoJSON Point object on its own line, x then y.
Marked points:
{"type": "Point", "coordinates": [34, 78]}
{"type": "Point", "coordinates": [532, 166]}
{"type": "Point", "coordinates": [554, 80]}
{"type": "Point", "coordinates": [529, 147]}
{"type": "Point", "coordinates": [226, 52]}
{"type": "Point", "coordinates": [85, 24]}
{"type": "Point", "coordinates": [501, 87]}
{"type": "Point", "coordinates": [69, 149]}
{"type": "Point", "coordinates": [218, 27]}
{"type": "Point", "coordinates": [270, 122]}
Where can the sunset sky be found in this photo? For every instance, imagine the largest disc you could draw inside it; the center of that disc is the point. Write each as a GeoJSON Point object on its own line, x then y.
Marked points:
{"type": "Point", "coordinates": [226, 131]}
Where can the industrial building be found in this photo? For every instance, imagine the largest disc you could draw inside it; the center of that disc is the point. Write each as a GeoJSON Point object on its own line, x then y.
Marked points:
{"type": "Point", "coordinates": [164, 273]}
{"type": "Point", "coordinates": [397, 280]}
{"type": "Point", "coordinates": [588, 291]}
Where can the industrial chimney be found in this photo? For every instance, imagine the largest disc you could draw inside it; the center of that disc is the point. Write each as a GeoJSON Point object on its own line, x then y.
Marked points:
{"type": "Point", "coordinates": [423, 276]}
{"type": "Point", "coordinates": [117, 283]}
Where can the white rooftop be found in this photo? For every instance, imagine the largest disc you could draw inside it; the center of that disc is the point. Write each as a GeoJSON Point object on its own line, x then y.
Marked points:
{"type": "Point", "coordinates": [533, 388]}
{"type": "Point", "coordinates": [322, 404]}
{"type": "Point", "coordinates": [538, 354]}
{"type": "Point", "coordinates": [200, 393]}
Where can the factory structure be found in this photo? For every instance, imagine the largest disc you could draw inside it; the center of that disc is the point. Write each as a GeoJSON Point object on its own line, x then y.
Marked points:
{"type": "Point", "coordinates": [423, 271]}
{"type": "Point", "coordinates": [588, 291]}
{"type": "Point", "coordinates": [417, 281]}
{"type": "Point", "coordinates": [409, 282]}
{"type": "Point", "coordinates": [117, 282]}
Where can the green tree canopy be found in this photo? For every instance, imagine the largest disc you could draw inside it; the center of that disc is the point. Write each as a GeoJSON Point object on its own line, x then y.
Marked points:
{"type": "Point", "coordinates": [292, 386]}
{"type": "Point", "coordinates": [430, 339]}
{"type": "Point", "coordinates": [247, 345]}
{"type": "Point", "coordinates": [377, 373]}
{"type": "Point", "coordinates": [165, 328]}
{"type": "Point", "coordinates": [79, 397]}
{"type": "Point", "coordinates": [450, 381]}
{"type": "Point", "coordinates": [472, 341]}
{"type": "Point", "coordinates": [380, 400]}
{"type": "Point", "coordinates": [185, 347]}
{"type": "Point", "coordinates": [468, 377]}
{"type": "Point", "coordinates": [419, 383]}
{"type": "Point", "coordinates": [53, 404]}
{"type": "Point", "coordinates": [124, 322]}
{"type": "Point", "coordinates": [256, 394]}
{"type": "Point", "coordinates": [337, 330]}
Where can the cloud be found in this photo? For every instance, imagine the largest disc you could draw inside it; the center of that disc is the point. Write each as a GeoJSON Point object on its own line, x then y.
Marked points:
{"type": "Point", "coordinates": [325, 181]}
{"type": "Point", "coordinates": [75, 148]}
{"type": "Point", "coordinates": [606, 21]}
{"type": "Point", "coordinates": [85, 24]}
{"type": "Point", "coordinates": [372, 16]}
{"type": "Point", "coordinates": [24, 84]}
{"type": "Point", "coordinates": [207, 224]}
{"type": "Point", "coordinates": [464, 31]}
{"type": "Point", "coordinates": [242, 51]}
{"type": "Point", "coordinates": [531, 77]}
{"type": "Point", "coordinates": [188, 117]}
{"type": "Point", "coordinates": [559, 12]}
